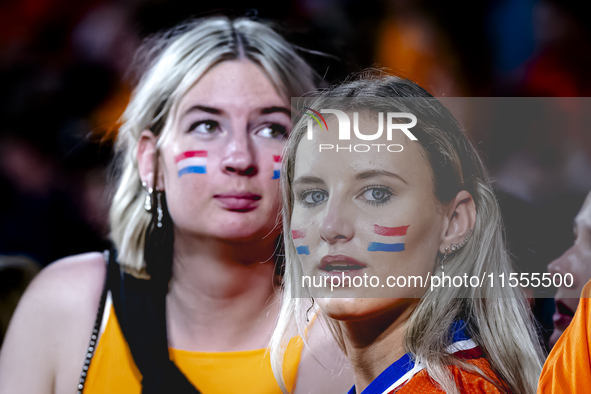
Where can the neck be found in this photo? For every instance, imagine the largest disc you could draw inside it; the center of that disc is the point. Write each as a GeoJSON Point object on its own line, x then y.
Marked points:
{"type": "Point", "coordinates": [222, 295]}
{"type": "Point", "coordinates": [372, 345]}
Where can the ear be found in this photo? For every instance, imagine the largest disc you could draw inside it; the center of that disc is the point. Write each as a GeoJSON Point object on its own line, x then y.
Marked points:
{"type": "Point", "coordinates": [147, 157]}
{"type": "Point", "coordinates": [461, 216]}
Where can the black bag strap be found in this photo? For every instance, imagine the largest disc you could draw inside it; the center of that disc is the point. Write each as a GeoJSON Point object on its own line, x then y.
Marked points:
{"type": "Point", "coordinates": [140, 306]}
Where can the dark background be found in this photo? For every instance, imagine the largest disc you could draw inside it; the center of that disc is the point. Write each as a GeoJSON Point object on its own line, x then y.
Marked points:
{"type": "Point", "coordinates": [65, 79]}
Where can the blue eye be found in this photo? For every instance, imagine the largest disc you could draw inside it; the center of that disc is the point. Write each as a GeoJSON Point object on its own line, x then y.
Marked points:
{"type": "Point", "coordinates": [377, 195]}
{"type": "Point", "coordinates": [311, 198]}
{"type": "Point", "coordinates": [274, 130]}
{"type": "Point", "coordinates": [205, 127]}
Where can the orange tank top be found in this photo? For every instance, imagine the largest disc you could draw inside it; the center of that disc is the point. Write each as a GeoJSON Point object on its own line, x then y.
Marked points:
{"type": "Point", "coordinates": [113, 370]}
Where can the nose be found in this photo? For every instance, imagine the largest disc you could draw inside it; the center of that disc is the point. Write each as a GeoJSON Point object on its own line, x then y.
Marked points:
{"type": "Point", "coordinates": [336, 226]}
{"type": "Point", "coordinates": [563, 265]}
{"type": "Point", "coordinates": [239, 155]}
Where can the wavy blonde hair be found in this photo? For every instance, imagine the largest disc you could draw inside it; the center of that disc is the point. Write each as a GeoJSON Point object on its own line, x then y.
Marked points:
{"type": "Point", "coordinates": [177, 59]}
{"type": "Point", "coordinates": [498, 320]}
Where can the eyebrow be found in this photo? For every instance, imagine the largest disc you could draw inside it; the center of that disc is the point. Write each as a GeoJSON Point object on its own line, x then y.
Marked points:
{"type": "Point", "coordinates": [372, 173]}
{"type": "Point", "coordinates": [216, 111]}
{"type": "Point", "coordinates": [271, 110]}
{"type": "Point", "coordinates": [308, 180]}
{"type": "Point", "coordinates": [203, 108]}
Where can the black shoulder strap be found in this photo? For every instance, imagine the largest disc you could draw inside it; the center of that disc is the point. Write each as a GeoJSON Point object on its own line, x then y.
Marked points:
{"type": "Point", "coordinates": [140, 307]}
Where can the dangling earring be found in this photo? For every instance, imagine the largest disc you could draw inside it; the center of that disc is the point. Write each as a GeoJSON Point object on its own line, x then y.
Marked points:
{"type": "Point", "coordinates": [308, 311]}
{"type": "Point", "coordinates": [159, 208]}
{"type": "Point", "coordinates": [148, 200]}
{"type": "Point", "coordinates": [444, 257]}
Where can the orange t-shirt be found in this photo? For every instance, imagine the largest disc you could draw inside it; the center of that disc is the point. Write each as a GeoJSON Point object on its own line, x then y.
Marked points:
{"type": "Point", "coordinates": [568, 366]}
{"type": "Point", "coordinates": [112, 369]}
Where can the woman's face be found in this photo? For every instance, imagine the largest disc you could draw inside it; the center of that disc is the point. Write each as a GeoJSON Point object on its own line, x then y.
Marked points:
{"type": "Point", "coordinates": [364, 214]}
{"type": "Point", "coordinates": [220, 166]}
{"type": "Point", "coordinates": [576, 261]}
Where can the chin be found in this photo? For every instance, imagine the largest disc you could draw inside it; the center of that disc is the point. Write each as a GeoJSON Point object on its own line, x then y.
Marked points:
{"type": "Point", "coordinates": [352, 309]}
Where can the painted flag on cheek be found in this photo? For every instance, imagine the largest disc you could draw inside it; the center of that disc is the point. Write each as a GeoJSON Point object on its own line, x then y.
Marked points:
{"type": "Point", "coordinates": [299, 234]}
{"type": "Point", "coordinates": [276, 167]}
{"type": "Point", "coordinates": [192, 162]}
{"type": "Point", "coordinates": [393, 242]}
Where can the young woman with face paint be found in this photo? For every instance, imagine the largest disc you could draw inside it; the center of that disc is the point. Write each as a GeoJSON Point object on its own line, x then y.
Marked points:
{"type": "Point", "coordinates": [418, 212]}
{"type": "Point", "coordinates": [195, 224]}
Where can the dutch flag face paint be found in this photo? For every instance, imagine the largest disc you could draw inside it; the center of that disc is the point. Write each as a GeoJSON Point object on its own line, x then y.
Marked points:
{"type": "Point", "coordinates": [299, 234]}
{"type": "Point", "coordinates": [276, 167]}
{"type": "Point", "coordinates": [391, 244]}
{"type": "Point", "coordinates": [192, 162]}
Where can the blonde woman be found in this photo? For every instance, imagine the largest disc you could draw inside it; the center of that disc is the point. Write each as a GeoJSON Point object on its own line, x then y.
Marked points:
{"type": "Point", "coordinates": [399, 206]}
{"type": "Point", "coordinates": [191, 295]}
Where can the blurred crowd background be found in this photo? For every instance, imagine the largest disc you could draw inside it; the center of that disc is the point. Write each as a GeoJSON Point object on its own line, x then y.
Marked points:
{"type": "Point", "coordinates": [65, 79]}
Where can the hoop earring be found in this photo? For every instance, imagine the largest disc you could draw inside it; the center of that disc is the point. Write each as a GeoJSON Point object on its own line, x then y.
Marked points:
{"type": "Point", "coordinates": [444, 257]}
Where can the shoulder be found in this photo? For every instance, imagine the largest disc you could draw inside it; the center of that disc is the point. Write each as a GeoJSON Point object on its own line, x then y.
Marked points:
{"type": "Point", "coordinates": [568, 366]}
{"type": "Point", "coordinates": [68, 285]}
{"type": "Point", "coordinates": [586, 293]}
{"type": "Point", "coordinates": [469, 382]}
{"type": "Point", "coordinates": [51, 326]}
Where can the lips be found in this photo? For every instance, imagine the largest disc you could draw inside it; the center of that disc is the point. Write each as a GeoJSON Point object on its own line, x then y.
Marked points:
{"type": "Point", "coordinates": [238, 201]}
{"type": "Point", "coordinates": [340, 263]}
{"type": "Point", "coordinates": [562, 316]}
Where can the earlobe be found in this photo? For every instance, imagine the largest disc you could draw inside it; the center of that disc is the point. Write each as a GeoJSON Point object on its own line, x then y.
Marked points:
{"type": "Point", "coordinates": [146, 158]}
{"type": "Point", "coordinates": [460, 224]}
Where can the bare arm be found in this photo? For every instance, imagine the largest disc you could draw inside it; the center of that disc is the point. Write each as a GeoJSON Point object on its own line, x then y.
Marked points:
{"type": "Point", "coordinates": [45, 345]}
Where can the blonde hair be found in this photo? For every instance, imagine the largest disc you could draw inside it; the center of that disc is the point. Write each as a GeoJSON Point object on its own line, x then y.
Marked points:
{"type": "Point", "coordinates": [177, 60]}
{"type": "Point", "coordinates": [498, 319]}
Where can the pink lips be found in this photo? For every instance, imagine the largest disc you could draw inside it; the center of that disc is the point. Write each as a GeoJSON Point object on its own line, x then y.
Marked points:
{"type": "Point", "coordinates": [335, 264]}
{"type": "Point", "coordinates": [238, 201]}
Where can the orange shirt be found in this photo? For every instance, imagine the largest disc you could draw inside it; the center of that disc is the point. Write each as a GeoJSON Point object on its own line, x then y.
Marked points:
{"type": "Point", "coordinates": [112, 369]}
{"type": "Point", "coordinates": [467, 382]}
{"type": "Point", "coordinates": [568, 367]}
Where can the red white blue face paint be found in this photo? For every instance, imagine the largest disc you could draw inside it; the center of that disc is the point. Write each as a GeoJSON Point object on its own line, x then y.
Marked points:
{"type": "Point", "coordinates": [191, 162]}
{"type": "Point", "coordinates": [276, 167]}
{"type": "Point", "coordinates": [299, 234]}
{"type": "Point", "coordinates": [393, 234]}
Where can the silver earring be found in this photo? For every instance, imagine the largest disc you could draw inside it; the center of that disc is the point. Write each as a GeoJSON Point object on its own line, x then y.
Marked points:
{"type": "Point", "coordinates": [159, 208]}
{"type": "Point", "coordinates": [444, 257]}
{"type": "Point", "coordinates": [308, 311]}
{"type": "Point", "coordinates": [148, 200]}
{"type": "Point", "coordinates": [464, 241]}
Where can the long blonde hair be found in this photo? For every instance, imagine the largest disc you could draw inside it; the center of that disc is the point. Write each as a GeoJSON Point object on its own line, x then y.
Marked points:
{"type": "Point", "coordinates": [498, 319]}
{"type": "Point", "coordinates": [178, 59]}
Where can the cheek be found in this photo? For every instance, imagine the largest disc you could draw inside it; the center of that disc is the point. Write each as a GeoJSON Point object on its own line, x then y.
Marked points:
{"type": "Point", "coordinates": [191, 162]}
{"type": "Point", "coordinates": [299, 240]}
{"type": "Point", "coordinates": [306, 238]}
{"type": "Point", "coordinates": [276, 167]}
{"type": "Point", "coordinates": [388, 239]}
